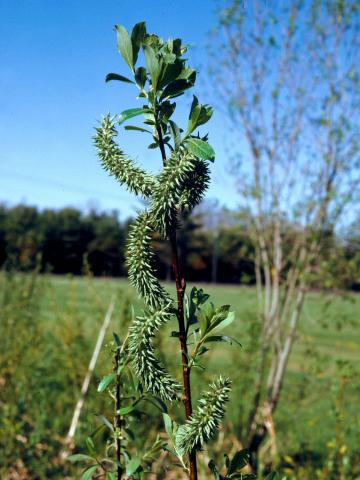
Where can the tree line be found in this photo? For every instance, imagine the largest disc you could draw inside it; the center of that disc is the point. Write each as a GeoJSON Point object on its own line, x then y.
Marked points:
{"type": "Point", "coordinates": [69, 241]}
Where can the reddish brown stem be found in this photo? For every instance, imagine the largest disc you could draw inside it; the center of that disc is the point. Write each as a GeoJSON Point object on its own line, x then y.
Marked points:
{"type": "Point", "coordinates": [180, 292]}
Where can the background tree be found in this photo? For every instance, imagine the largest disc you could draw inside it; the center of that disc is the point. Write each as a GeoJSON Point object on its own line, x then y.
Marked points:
{"type": "Point", "coordinates": [288, 74]}
{"type": "Point", "coordinates": [22, 237]}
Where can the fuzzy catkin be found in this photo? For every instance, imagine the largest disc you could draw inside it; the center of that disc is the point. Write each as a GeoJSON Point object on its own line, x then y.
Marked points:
{"type": "Point", "coordinates": [147, 367]}
{"type": "Point", "coordinates": [139, 260]}
{"type": "Point", "coordinates": [117, 163]}
{"type": "Point", "coordinates": [205, 421]}
{"type": "Point", "coordinates": [180, 185]}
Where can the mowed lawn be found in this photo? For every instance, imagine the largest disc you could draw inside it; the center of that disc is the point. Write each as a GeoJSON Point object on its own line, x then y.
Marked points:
{"type": "Point", "coordinates": [327, 348]}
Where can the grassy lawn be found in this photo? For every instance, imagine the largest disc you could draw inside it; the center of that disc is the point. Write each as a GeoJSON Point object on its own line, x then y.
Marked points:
{"type": "Point", "coordinates": [72, 309]}
{"type": "Point", "coordinates": [329, 332]}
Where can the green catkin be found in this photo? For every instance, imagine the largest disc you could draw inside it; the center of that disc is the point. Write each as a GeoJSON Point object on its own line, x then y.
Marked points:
{"type": "Point", "coordinates": [174, 189]}
{"type": "Point", "coordinates": [149, 370]}
{"type": "Point", "coordinates": [140, 263]}
{"type": "Point", "coordinates": [117, 163]}
{"type": "Point", "coordinates": [197, 183]}
{"type": "Point", "coordinates": [205, 421]}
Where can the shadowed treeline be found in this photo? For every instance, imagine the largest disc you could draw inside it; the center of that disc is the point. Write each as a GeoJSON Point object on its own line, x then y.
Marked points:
{"type": "Point", "coordinates": [69, 240]}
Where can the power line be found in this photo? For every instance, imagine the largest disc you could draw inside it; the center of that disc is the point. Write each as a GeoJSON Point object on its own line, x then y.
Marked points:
{"type": "Point", "coordinates": [45, 183]}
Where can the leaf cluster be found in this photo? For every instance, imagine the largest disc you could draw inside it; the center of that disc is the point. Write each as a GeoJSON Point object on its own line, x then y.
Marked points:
{"type": "Point", "coordinates": [164, 77]}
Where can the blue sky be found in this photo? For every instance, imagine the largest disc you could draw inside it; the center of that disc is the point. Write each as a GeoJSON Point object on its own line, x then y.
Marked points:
{"type": "Point", "coordinates": [54, 56]}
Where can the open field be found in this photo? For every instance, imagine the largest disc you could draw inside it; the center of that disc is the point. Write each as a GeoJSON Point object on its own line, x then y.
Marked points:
{"type": "Point", "coordinates": [47, 344]}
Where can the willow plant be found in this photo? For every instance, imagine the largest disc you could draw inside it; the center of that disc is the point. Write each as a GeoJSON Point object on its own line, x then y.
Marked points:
{"type": "Point", "coordinates": [178, 187]}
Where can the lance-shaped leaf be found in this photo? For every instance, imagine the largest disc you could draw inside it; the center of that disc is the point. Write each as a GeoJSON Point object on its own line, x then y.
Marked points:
{"type": "Point", "coordinates": [137, 36]}
{"type": "Point", "coordinates": [105, 382]}
{"type": "Point", "coordinates": [125, 45]}
{"type": "Point", "coordinates": [153, 65]}
{"type": "Point", "coordinates": [199, 114]}
{"type": "Point", "coordinates": [116, 76]}
{"type": "Point", "coordinates": [130, 113]}
{"type": "Point", "coordinates": [137, 129]}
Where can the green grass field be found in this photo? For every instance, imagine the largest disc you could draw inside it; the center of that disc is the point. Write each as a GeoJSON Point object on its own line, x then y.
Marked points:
{"type": "Point", "coordinates": [52, 361]}
{"type": "Point", "coordinates": [329, 331]}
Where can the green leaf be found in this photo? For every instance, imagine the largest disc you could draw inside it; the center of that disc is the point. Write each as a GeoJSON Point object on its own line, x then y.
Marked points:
{"type": "Point", "coordinates": [88, 473]}
{"type": "Point", "coordinates": [200, 148]}
{"type": "Point", "coordinates": [194, 115]}
{"type": "Point", "coordinates": [140, 77]}
{"type": "Point", "coordinates": [205, 115]}
{"type": "Point", "coordinates": [239, 461]}
{"type": "Point", "coordinates": [204, 315]}
{"type": "Point", "coordinates": [273, 476]}
{"type": "Point", "coordinates": [110, 476]}
{"type": "Point", "coordinates": [133, 465]}
{"type": "Point", "coordinates": [116, 76]}
{"type": "Point", "coordinates": [158, 403]}
{"type": "Point", "coordinates": [130, 113]}
{"type": "Point", "coordinates": [175, 88]}
{"type": "Point", "coordinates": [106, 422]}
{"type": "Point", "coordinates": [90, 445]}
{"type": "Point", "coordinates": [202, 350]}
{"type": "Point", "coordinates": [117, 339]}
{"type": "Point", "coordinates": [152, 64]}
{"type": "Point", "coordinates": [214, 470]}
{"type": "Point", "coordinates": [221, 338]}
{"type": "Point", "coordinates": [137, 36]}
{"type": "Point", "coordinates": [203, 322]}
{"type": "Point", "coordinates": [137, 129]}
{"type": "Point", "coordinates": [175, 133]}
{"type": "Point", "coordinates": [167, 109]}
{"type": "Point", "coordinates": [105, 382]}
{"type": "Point", "coordinates": [199, 114]}
{"type": "Point", "coordinates": [168, 424]}
{"type": "Point", "coordinates": [79, 457]}
{"type": "Point", "coordinates": [124, 45]}
{"type": "Point", "coordinates": [126, 410]}
{"type": "Point", "coordinates": [189, 74]}
{"type": "Point", "coordinates": [221, 322]}
{"type": "Point", "coordinates": [170, 72]}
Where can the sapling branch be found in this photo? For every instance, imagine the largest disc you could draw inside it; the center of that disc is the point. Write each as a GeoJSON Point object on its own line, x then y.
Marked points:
{"type": "Point", "coordinates": [179, 186]}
